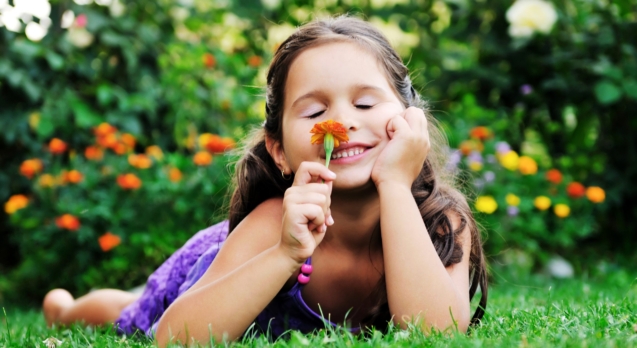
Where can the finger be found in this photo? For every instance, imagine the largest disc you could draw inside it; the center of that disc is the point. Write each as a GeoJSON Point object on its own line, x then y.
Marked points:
{"type": "Point", "coordinates": [311, 172]}
{"type": "Point", "coordinates": [313, 216]}
{"type": "Point", "coordinates": [396, 124]}
{"type": "Point", "coordinates": [415, 118]}
{"type": "Point", "coordinates": [322, 188]}
{"type": "Point", "coordinates": [310, 198]}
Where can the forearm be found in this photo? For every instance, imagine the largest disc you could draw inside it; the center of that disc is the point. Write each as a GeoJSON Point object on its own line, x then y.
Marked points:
{"type": "Point", "coordinates": [418, 285]}
{"type": "Point", "coordinates": [230, 304]}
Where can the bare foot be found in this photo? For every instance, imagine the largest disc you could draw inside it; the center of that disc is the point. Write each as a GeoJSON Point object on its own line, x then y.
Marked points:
{"type": "Point", "coordinates": [54, 302]}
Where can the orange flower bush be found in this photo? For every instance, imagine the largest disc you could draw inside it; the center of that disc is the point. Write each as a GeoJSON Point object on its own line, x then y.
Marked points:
{"type": "Point", "coordinates": [57, 146]}
{"type": "Point", "coordinates": [129, 181]}
{"type": "Point", "coordinates": [68, 222]}
{"type": "Point", "coordinates": [31, 167]}
{"type": "Point", "coordinates": [202, 158]}
{"type": "Point", "coordinates": [108, 241]}
{"type": "Point", "coordinates": [15, 203]}
{"type": "Point", "coordinates": [174, 174]}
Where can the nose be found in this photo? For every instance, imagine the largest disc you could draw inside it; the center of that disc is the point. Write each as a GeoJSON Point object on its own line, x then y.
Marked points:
{"type": "Point", "coordinates": [347, 117]}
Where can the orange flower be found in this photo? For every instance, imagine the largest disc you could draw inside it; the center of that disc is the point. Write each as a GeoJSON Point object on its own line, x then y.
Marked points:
{"type": "Point", "coordinates": [480, 133]}
{"type": "Point", "coordinates": [120, 148]}
{"type": "Point", "coordinates": [74, 176]}
{"type": "Point", "coordinates": [128, 140]}
{"type": "Point", "coordinates": [57, 146]}
{"type": "Point", "coordinates": [575, 190]}
{"type": "Point", "coordinates": [202, 158]}
{"type": "Point", "coordinates": [68, 221]}
{"type": "Point", "coordinates": [107, 141]}
{"type": "Point", "coordinates": [93, 153]}
{"type": "Point", "coordinates": [139, 161]}
{"type": "Point", "coordinates": [15, 203]}
{"type": "Point", "coordinates": [322, 129]}
{"type": "Point", "coordinates": [155, 151]}
{"type": "Point", "coordinates": [208, 60]}
{"type": "Point", "coordinates": [129, 181]}
{"type": "Point", "coordinates": [31, 167]}
{"type": "Point", "coordinates": [217, 144]}
{"type": "Point", "coordinates": [254, 61]}
{"type": "Point", "coordinates": [328, 133]}
{"type": "Point", "coordinates": [174, 174]}
{"type": "Point", "coordinates": [108, 241]}
{"type": "Point", "coordinates": [104, 129]}
{"type": "Point", "coordinates": [554, 176]}
{"type": "Point", "coordinates": [595, 194]}
{"type": "Point", "coordinates": [527, 165]}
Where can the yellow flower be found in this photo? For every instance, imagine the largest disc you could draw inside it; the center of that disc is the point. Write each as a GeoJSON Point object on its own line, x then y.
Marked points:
{"type": "Point", "coordinates": [155, 151]}
{"type": "Point", "coordinates": [509, 160]}
{"type": "Point", "coordinates": [542, 202]}
{"type": "Point", "coordinates": [562, 210]}
{"type": "Point", "coordinates": [527, 165]}
{"type": "Point", "coordinates": [47, 180]}
{"type": "Point", "coordinates": [486, 204]}
{"type": "Point", "coordinates": [475, 166]}
{"type": "Point", "coordinates": [512, 200]}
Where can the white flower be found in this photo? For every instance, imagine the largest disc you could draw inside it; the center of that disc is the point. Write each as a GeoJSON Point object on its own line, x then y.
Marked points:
{"type": "Point", "coordinates": [79, 37]}
{"type": "Point", "coordinates": [529, 16]}
{"type": "Point", "coordinates": [34, 31]}
{"type": "Point", "coordinates": [51, 342]}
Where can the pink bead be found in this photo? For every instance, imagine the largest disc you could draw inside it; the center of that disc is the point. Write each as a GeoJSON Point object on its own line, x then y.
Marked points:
{"type": "Point", "coordinates": [307, 269]}
{"type": "Point", "coordinates": [303, 279]}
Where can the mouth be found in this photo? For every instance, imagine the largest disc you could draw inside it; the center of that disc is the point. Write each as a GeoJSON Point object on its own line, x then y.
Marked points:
{"type": "Point", "coordinates": [345, 153]}
{"type": "Point", "coordinates": [348, 152]}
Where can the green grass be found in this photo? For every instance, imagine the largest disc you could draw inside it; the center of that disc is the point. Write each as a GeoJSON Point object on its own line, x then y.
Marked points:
{"type": "Point", "coordinates": [529, 312]}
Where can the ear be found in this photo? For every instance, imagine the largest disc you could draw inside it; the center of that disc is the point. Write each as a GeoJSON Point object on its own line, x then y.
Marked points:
{"type": "Point", "coordinates": [275, 149]}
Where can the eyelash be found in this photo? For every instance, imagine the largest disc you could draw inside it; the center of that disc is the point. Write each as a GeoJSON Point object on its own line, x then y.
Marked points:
{"type": "Point", "coordinates": [364, 107]}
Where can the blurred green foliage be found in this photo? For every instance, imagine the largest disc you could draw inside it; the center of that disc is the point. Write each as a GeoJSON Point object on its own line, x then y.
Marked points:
{"type": "Point", "coordinates": [167, 72]}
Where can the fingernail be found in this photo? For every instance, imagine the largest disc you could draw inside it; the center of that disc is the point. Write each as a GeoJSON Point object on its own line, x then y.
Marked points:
{"type": "Point", "coordinates": [324, 228]}
{"type": "Point", "coordinates": [330, 220]}
{"type": "Point", "coordinates": [332, 174]}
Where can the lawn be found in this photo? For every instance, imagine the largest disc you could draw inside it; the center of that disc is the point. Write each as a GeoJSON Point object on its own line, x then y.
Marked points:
{"type": "Point", "coordinates": [533, 311]}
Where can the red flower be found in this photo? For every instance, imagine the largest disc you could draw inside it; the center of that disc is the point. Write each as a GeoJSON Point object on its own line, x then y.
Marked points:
{"type": "Point", "coordinates": [254, 61]}
{"type": "Point", "coordinates": [68, 221]}
{"type": "Point", "coordinates": [217, 144]}
{"type": "Point", "coordinates": [208, 60]}
{"type": "Point", "coordinates": [575, 190]}
{"type": "Point", "coordinates": [554, 176]}
{"type": "Point", "coordinates": [109, 241]}
{"type": "Point", "coordinates": [93, 153]}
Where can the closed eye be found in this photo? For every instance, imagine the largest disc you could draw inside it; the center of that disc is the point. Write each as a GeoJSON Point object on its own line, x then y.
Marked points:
{"type": "Point", "coordinates": [364, 107]}
{"type": "Point", "coordinates": [316, 114]}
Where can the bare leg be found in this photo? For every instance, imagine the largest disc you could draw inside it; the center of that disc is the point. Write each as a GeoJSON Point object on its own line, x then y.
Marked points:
{"type": "Point", "coordinates": [95, 308]}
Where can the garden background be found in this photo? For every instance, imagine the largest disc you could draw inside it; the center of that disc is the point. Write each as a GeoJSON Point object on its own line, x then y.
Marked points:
{"type": "Point", "coordinates": [119, 119]}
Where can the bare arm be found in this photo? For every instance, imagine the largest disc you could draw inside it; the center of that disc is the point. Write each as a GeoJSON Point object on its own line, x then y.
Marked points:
{"type": "Point", "coordinates": [248, 272]}
{"type": "Point", "coordinates": [260, 255]}
{"type": "Point", "coordinates": [418, 285]}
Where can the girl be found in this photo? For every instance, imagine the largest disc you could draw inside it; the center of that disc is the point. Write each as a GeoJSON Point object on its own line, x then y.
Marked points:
{"type": "Point", "coordinates": [381, 236]}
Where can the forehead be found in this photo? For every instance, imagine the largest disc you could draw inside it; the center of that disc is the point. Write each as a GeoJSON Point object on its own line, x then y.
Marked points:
{"type": "Point", "coordinates": [333, 66]}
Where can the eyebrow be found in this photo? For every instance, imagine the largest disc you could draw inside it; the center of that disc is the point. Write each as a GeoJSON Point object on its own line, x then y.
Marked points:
{"type": "Point", "coordinates": [357, 87]}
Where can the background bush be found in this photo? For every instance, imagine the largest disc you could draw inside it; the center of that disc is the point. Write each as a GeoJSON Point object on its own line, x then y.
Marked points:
{"type": "Point", "coordinates": [167, 72]}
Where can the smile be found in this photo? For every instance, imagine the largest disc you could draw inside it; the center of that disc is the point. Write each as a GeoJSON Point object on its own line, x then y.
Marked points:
{"type": "Point", "coordinates": [352, 151]}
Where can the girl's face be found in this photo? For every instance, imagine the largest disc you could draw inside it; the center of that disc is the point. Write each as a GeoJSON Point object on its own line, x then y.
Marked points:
{"type": "Point", "coordinates": [343, 82]}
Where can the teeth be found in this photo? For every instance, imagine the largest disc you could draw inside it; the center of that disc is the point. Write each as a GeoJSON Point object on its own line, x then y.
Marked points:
{"type": "Point", "coordinates": [348, 153]}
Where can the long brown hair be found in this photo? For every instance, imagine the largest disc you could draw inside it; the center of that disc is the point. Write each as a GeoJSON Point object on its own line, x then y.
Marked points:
{"type": "Point", "coordinates": [257, 178]}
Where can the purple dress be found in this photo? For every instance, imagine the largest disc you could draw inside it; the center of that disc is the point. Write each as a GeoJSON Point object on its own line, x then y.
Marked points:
{"type": "Point", "coordinates": [187, 265]}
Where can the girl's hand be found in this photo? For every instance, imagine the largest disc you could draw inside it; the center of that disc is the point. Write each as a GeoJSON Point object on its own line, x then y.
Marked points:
{"type": "Point", "coordinates": [403, 157]}
{"type": "Point", "coordinates": [306, 210]}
